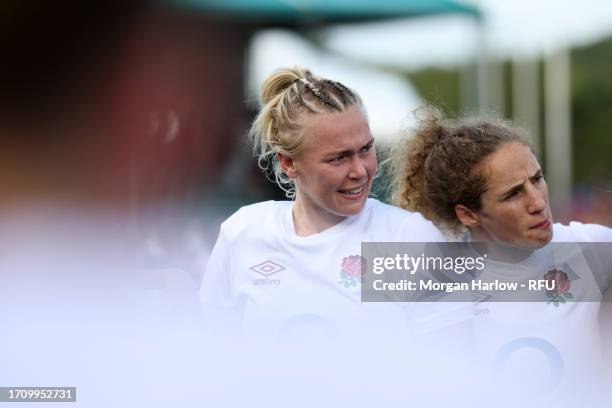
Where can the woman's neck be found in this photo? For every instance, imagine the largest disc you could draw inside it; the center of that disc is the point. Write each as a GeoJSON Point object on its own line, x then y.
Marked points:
{"type": "Point", "coordinates": [484, 243]}
{"type": "Point", "coordinates": [311, 219]}
{"type": "Point", "coordinates": [501, 253]}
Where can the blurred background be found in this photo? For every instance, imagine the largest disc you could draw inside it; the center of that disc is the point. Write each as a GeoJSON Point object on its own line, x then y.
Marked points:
{"type": "Point", "coordinates": [136, 113]}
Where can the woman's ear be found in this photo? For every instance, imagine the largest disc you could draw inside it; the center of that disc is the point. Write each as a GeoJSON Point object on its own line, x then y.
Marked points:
{"type": "Point", "coordinates": [466, 216]}
{"type": "Point", "coordinates": [288, 165]}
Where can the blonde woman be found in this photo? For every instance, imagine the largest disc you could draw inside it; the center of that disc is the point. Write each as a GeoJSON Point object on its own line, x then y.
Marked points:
{"type": "Point", "coordinates": [284, 266]}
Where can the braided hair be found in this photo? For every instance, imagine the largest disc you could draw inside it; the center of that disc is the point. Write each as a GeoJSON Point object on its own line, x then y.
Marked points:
{"type": "Point", "coordinates": [285, 95]}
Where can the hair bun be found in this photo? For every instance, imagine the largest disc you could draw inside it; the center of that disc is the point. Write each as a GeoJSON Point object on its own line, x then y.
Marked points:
{"type": "Point", "coordinates": [282, 79]}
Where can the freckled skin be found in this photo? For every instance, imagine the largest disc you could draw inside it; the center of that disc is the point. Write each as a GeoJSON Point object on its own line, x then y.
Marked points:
{"type": "Point", "coordinates": [337, 156]}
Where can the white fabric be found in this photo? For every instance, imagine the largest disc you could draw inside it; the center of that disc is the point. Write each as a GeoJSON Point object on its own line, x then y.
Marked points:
{"type": "Point", "coordinates": [541, 346]}
{"type": "Point", "coordinates": [305, 290]}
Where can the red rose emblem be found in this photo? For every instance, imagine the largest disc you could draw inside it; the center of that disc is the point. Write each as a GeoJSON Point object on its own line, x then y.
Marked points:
{"type": "Point", "coordinates": [351, 265]}
{"type": "Point", "coordinates": [562, 282]}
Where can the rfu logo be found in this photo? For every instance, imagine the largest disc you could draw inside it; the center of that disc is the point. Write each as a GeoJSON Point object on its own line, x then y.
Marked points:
{"type": "Point", "coordinates": [267, 269]}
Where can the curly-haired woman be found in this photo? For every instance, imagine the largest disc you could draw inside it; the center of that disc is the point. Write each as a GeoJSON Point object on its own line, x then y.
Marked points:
{"type": "Point", "coordinates": [480, 181]}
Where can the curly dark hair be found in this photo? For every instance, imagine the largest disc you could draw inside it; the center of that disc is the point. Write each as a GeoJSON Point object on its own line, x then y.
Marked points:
{"type": "Point", "coordinates": [436, 166]}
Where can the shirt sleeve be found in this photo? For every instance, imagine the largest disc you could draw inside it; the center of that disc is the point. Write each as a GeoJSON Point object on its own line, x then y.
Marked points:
{"type": "Point", "coordinates": [221, 311]}
{"type": "Point", "coordinates": [445, 311]}
{"type": "Point", "coordinates": [598, 252]}
{"type": "Point", "coordinates": [216, 288]}
{"type": "Point", "coordinates": [415, 228]}
{"type": "Point", "coordinates": [598, 233]}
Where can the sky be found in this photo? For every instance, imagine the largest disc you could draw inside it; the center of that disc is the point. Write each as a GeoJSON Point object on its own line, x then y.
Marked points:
{"type": "Point", "coordinates": [387, 97]}
{"type": "Point", "coordinates": [512, 29]}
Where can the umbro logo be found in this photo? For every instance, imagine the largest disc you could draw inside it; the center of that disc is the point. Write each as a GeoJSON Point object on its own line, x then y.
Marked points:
{"type": "Point", "coordinates": [267, 268]}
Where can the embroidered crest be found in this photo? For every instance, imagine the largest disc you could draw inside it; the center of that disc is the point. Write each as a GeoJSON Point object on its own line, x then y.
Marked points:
{"type": "Point", "coordinates": [353, 268]}
{"type": "Point", "coordinates": [560, 293]}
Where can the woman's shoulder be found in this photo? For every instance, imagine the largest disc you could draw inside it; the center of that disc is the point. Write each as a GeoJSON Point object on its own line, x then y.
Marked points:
{"type": "Point", "coordinates": [381, 209]}
{"type": "Point", "coordinates": [254, 216]}
{"type": "Point", "coordinates": [411, 226]}
{"type": "Point", "coordinates": [579, 232]}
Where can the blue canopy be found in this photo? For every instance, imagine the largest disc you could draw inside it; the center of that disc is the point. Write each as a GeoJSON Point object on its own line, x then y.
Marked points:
{"type": "Point", "coordinates": [324, 11]}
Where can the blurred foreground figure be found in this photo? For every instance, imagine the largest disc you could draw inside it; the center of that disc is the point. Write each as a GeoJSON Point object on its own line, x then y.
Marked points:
{"type": "Point", "coordinates": [113, 116]}
{"type": "Point", "coordinates": [113, 124]}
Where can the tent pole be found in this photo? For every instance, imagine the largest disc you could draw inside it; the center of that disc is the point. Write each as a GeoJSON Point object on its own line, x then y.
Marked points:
{"type": "Point", "coordinates": [558, 130]}
{"type": "Point", "coordinates": [482, 82]}
{"type": "Point", "coordinates": [526, 97]}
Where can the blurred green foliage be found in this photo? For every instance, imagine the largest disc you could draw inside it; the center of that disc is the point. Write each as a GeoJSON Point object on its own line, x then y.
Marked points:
{"type": "Point", "coordinates": [592, 111]}
{"type": "Point", "coordinates": [440, 87]}
{"type": "Point", "coordinates": [591, 105]}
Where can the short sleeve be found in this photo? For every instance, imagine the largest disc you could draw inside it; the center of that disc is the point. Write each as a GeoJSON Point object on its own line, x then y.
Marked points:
{"type": "Point", "coordinates": [598, 233]}
{"type": "Point", "coordinates": [415, 228]}
{"type": "Point", "coordinates": [222, 313]}
{"type": "Point", "coordinates": [216, 285]}
{"type": "Point", "coordinates": [596, 244]}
